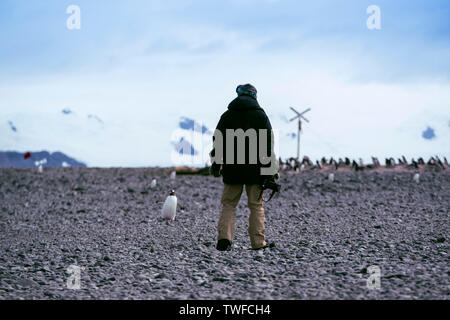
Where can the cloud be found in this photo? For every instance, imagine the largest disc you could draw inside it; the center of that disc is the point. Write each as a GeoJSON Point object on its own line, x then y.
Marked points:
{"type": "Point", "coordinates": [141, 66]}
{"type": "Point", "coordinates": [412, 42]}
{"type": "Point", "coordinates": [429, 134]}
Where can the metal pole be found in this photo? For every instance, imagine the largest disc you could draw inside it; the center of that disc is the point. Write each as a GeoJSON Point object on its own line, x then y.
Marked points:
{"type": "Point", "coordinates": [298, 140]}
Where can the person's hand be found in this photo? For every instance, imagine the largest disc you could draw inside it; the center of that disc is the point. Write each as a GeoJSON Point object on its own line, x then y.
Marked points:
{"type": "Point", "coordinates": [215, 170]}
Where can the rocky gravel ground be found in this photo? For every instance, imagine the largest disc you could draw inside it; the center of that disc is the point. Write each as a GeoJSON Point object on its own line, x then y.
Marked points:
{"type": "Point", "coordinates": [327, 235]}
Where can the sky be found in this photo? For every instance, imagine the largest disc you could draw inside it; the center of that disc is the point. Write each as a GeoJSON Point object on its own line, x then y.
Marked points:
{"type": "Point", "coordinates": [140, 66]}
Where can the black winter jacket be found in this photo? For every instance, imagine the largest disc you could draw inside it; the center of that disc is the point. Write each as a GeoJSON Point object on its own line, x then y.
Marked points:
{"type": "Point", "coordinates": [243, 113]}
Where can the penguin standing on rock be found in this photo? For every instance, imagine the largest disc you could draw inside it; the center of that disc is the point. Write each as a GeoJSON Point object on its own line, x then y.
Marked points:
{"type": "Point", "coordinates": [169, 209]}
{"type": "Point", "coordinates": [153, 184]}
{"type": "Point", "coordinates": [331, 177]}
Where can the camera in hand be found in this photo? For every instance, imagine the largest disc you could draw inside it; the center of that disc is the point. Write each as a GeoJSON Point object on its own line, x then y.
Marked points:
{"type": "Point", "coordinates": [270, 184]}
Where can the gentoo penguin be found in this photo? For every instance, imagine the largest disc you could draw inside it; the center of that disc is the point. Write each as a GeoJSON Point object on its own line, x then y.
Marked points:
{"type": "Point", "coordinates": [153, 184]}
{"type": "Point", "coordinates": [331, 177]}
{"type": "Point", "coordinates": [335, 165]}
{"type": "Point", "coordinates": [292, 163]}
{"type": "Point", "coordinates": [393, 162]}
{"type": "Point", "coordinates": [388, 163]}
{"type": "Point", "coordinates": [375, 162]}
{"type": "Point", "coordinates": [404, 160]}
{"type": "Point", "coordinates": [439, 162]}
{"type": "Point", "coordinates": [361, 163]}
{"type": "Point", "coordinates": [173, 174]}
{"type": "Point", "coordinates": [416, 178]}
{"type": "Point", "coordinates": [318, 164]}
{"type": "Point", "coordinates": [169, 209]}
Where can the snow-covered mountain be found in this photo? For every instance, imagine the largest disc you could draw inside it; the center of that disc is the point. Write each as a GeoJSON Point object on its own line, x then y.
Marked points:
{"type": "Point", "coordinates": [133, 140]}
{"type": "Point", "coordinates": [88, 137]}
{"type": "Point", "coordinates": [63, 131]}
{"type": "Point", "coordinates": [9, 159]}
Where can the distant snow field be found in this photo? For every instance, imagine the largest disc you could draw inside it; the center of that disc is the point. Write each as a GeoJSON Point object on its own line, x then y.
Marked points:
{"type": "Point", "coordinates": [141, 141]}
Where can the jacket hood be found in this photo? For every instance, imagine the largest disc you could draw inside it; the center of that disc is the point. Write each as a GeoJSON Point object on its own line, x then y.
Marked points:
{"type": "Point", "coordinates": [244, 103]}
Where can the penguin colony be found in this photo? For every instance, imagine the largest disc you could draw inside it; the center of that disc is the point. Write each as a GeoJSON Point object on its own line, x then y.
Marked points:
{"type": "Point", "coordinates": [293, 164]}
{"type": "Point", "coordinates": [169, 208]}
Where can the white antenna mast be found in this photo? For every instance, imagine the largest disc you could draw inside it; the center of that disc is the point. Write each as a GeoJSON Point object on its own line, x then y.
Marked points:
{"type": "Point", "coordinates": [299, 116]}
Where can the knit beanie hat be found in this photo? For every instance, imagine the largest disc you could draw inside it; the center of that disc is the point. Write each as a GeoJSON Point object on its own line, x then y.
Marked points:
{"type": "Point", "coordinates": [247, 90]}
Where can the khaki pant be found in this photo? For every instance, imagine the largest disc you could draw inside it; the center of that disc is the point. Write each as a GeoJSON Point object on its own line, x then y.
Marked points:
{"type": "Point", "coordinates": [230, 199]}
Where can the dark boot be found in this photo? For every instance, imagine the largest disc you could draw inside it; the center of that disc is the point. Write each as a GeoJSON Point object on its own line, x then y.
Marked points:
{"type": "Point", "coordinates": [271, 245]}
{"type": "Point", "coordinates": [223, 245]}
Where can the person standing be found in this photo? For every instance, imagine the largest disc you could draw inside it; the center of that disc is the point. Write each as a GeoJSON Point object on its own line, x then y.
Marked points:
{"type": "Point", "coordinates": [243, 118]}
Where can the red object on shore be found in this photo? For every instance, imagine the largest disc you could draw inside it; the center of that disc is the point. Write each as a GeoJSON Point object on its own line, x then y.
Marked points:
{"type": "Point", "coordinates": [27, 155]}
